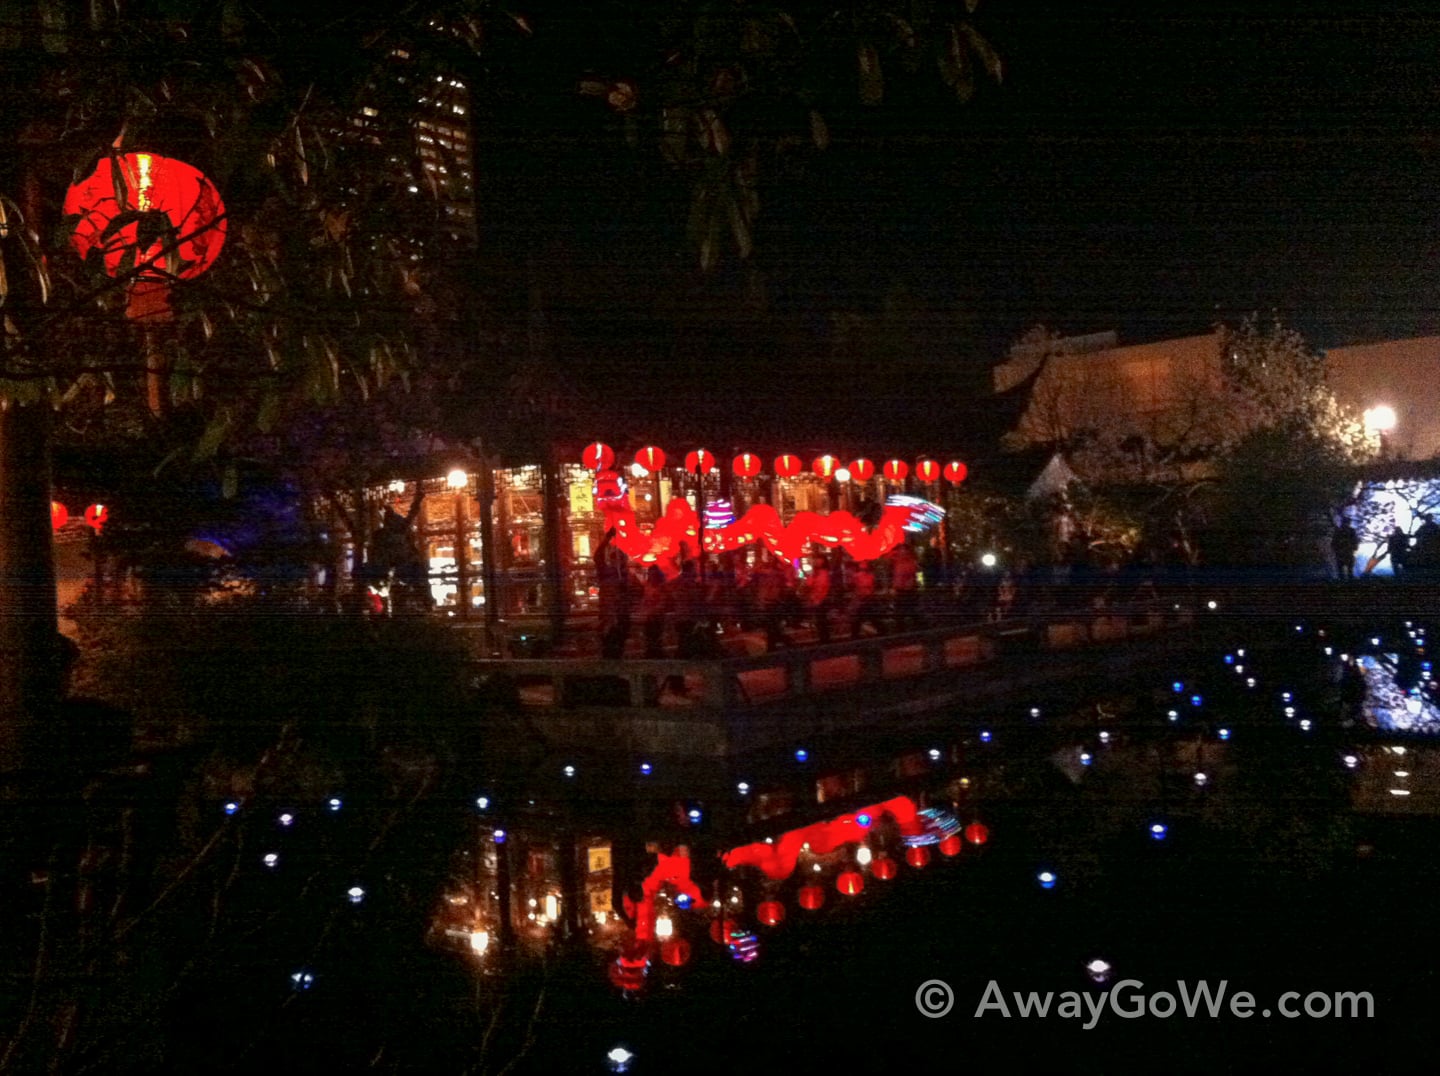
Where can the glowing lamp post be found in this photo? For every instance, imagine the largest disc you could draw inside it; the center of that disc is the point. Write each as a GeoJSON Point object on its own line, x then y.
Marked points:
{"type": "Point", "coordinates": [459, 481]}
{"type": "Point", "coordinates": [1380, 421]}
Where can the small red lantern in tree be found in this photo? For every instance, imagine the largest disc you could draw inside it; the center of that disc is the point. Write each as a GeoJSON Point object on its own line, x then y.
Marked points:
{"type": "Point", "coordinates": [862, 470]}
{"type": "Point", "coordinates": [883, 867]}
{"type": "Point", "coordinates": [787, 466]}
{"type": "Point", "coordinates": [675, 952]}
{"type": "Point", "coordinates": [597, 456]}
{"type": "Point", "coordinates": [927, 470]}
{"type": "Point", "coordinates": [651, 458]}
{"type": "Point", "coordinates": [811, 897]}
{"type": "Point", "coordinates": [159, 218]}
{"type": "Point", "coordinates": [721, 929]}
{"type": "Point", "coordinates": [746, 465]}
{"type": "Point", "coordinates": [851, 883]}
{"type": "Point", "coordinates": [896, 470]}
{"type": "Point", "coordinates": [96, 515]}
{"type": "Point", "coordinates": [825, 466]}
{"type": "Point", "coordinates": [59, 515]}
{"type": "Point", "coordinates": [699, 461]}
{"type": "Point", "coordinates": [956, 472]}
{"type": "Point", "coordinates": [951, 845]}
{"type": "Point", "coordinates": [977, 833]}
{"type": "Point", "coordinates": [918, 856]}
{"type": "Point", "coordinates": [770, 912]}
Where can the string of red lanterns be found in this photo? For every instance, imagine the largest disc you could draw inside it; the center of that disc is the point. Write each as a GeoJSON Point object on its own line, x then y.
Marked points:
{"type": "Point", "coordinates": [95, 515]}
{"type": "Point", "coordinates": [598, 456]}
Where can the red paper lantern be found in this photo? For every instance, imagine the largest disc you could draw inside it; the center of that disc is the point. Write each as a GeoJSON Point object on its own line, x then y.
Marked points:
{"type": "Point", "coordinates": [862, 470]}
{"type": "Point", "coordinates": [651, 458]}
{"type": "Point", "coordinates": [955, 472]}
{"type": "Point", "coordinates": [811, 897]}
{"type": "Point", "coordinates": [597, 456]}
{"type": "Point", "coordinates": [927, 470]}
{"type": "Point", "coordinates": [185, 232]}
{"type": "Point", "coordinates": [746, 465]}
{"type": "Point", "coordinates": [851, 883]}
{"type": "Point", "coordinates": [721, 929]}
{"type": "Point", "coordinates": [59, 515]}
{"type": "Point", "coordinates": [883, 867]}
{"type": "Point", "coordinates": [96, 515]}
{"type": "Point", "coordinates": [976, 833]}
{"type": "Point", "coordinates": [675, 952]}
{"type": "Point", "coordinates": [699, 461]}
{"type": "Point", "coordinates": [787, 466]}
{"type": "Point", "coordinates": [951, 845]}
{"type": "Point", "coordinates": [896, 470]}
{"type": "Point", "coordinates": [917, 856]}
{"type": "Point", "coordinates": [627, 971]}
{"type": "Point", "coordinates": [825, 466]}
{"type": "Point", "coordinates": [770, 912]}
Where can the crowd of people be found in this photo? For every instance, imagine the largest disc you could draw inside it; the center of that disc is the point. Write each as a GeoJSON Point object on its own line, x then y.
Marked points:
{"type": "Point", "coordinates": [831, 596]}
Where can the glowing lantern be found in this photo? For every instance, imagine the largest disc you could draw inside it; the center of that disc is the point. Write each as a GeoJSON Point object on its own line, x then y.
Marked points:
{"type": "Point", "coordinates": [597, 456]}
{"type": "Point", "coordinates": [675, 952]}
{"type": "Point", "coordinates": [175, 207]}
{"type": "Point", "coordinates": [896, 470]}
{"type": "Point", "coordinates": [770, 912]}
{"type": "Point", "coordinates": [862, 470]}
{"type": "Point", "coordinates": [917, 856]}
{"type": "Point", "coordinates": [951, 845]}
{"type": "Point", "coordinates": [851, 883]}
{"type": "Point", "coordinates": [627, 971]}
{"type": "Point", "coordinates": [787, 466]}
{"type": "Point", "coordinates": [609, 489]}
{"type": "Point", "coordinates": [825, 466]}
{"type": "Point", "coordinates": [59, 515]}
{"type": "Point", "coordinates": [883, 867]}
{"type": "Point", "coordinates": [96, 515]}
{"type": "Point", "coordinates": [927, 470]}
{"type": "Point", "coordinates": [651, 458]}
{"type": "Point", "coordinates": [721, 929]}
{"type": "Point", "coordinates": [955, 472]}
{"type": "Point", "coordinates": [699, 461]}
{"type": "Point", "coordinates": [977, 833]}
{"type": "Point", "coordinates": [746, 465]}
{"type": "Point", "coordinates": [811, 897]}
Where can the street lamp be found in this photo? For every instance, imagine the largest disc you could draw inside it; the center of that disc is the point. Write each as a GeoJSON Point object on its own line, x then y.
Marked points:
{"type": "Point", "coordinates": [1380, 421]}
{"type": "Point", "coordinates": [459, 481]}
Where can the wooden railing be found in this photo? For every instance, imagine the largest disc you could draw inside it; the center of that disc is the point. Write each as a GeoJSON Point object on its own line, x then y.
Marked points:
{"type": "Point", "coordinates": [739, 682]}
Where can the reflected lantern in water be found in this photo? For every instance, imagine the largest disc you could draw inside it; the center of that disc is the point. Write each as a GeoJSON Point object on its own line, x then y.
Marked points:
{"type": "Point", "coordinates": [950, 846]}
{"type": "Point", "coordinates": [917, 856]}
{"type": "Point", "coordinates": [811, 897]}
{"type": "Point", "coordinates": [851, 883]}
{"type": "Point", "coordinates": [770, 912]}
{"type": "Point", "coordinates": [675, 952]}
{"type": "Point", "coordinates": [977, 833]}
{"type": "Point", "coordinates": [883, 867]}
{"type": "Point", "coordinates": [721, 929]}
{"type": "Point", "coordinates": [157, 217]}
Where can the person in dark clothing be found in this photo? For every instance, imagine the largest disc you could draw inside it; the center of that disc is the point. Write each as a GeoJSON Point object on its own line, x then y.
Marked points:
{"type": "Point", "coordinates": [612, 578]}
{"type": "Point", "coordinates": [1425, 552]}
{"type": "Point", "coordinates": [1344, 543]}
{"type": "Point", "coordinates": [1397, 546]}
{"type": "Point", "coordinates": [654, 608]}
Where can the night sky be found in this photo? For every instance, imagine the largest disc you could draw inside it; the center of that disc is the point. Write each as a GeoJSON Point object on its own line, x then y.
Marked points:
{"type": "Point", "coordinates": [1145, 168]}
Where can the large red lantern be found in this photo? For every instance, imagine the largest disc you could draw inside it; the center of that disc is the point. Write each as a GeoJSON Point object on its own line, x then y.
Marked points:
{"type": "Point", "coordinates": [699, 461]}
{"type": "Point", "coordinates": [746, 465]}
{"type": "Point", "coordinates": [96, 515]}
{"type": "Point", "coordinates": [811, 897]}
{"type": "Point", "coordinates": [862, 470]}
{"type": "Point", "coordinates": [156, 216]}
{"type": "Point", "coordinates": [977, 833]}
{"type": "Point", "coordinates": [787, 466]}
{"type": "Point", "coordinates": [927, 470]}
{"type": "Point", "coordinates": [651, 458]}
{"type": "Point", "coordinates": [896, 470]}
{"type": "Point", "coordinates": [955, 472]}
{"type": "Point", "coordinates": [675, 952]}
{"type": "Point", "coordinates": [770, 912]}
{"type": "Point", "coordinates": [59, 515]}
{"type": "Point", "coordinates": [951, 845]}
{"type": "Point", "coordinates": [917, 856]}
{"type": "Point", "coordinates": [825, 466]}
{"type": "Point", "coordinates": [883, 867]}
{"type": "Point", "coordinates": [851, 883]}
{"type": "Point", "coordinates": [597, 456]}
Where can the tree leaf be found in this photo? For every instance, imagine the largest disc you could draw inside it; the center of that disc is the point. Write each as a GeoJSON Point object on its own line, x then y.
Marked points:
{"type": "Point", "coordinates": [982, 48]}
